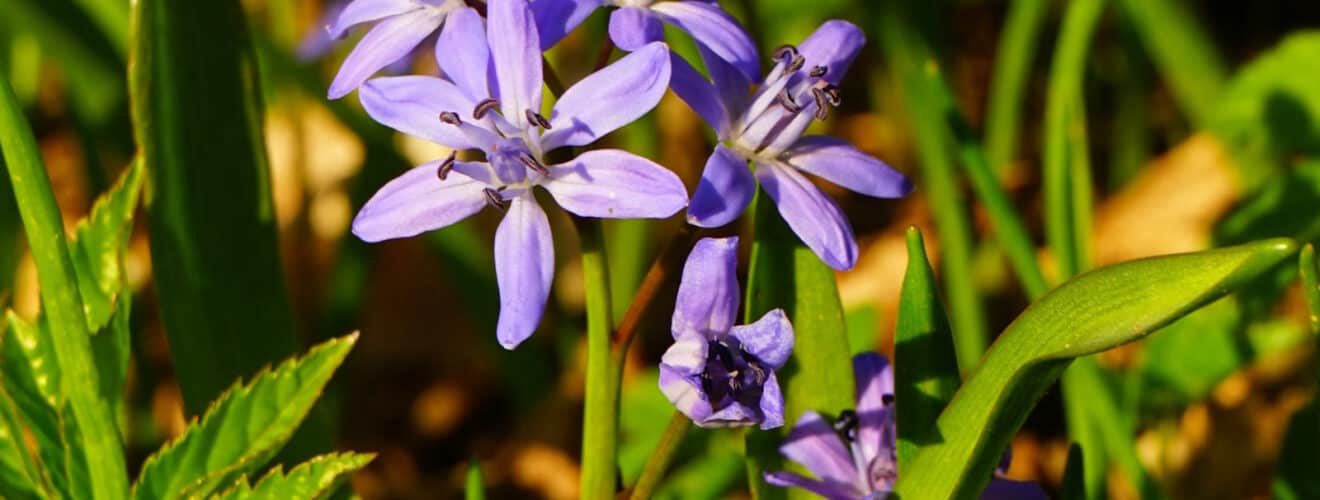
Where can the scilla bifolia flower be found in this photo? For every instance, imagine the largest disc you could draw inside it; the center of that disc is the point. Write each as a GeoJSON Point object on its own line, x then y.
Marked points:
{"type": "Point", "coordinates": [503, 58]}
{"type": "Point", "coordinates": [856, 458]}
{"type": "Point", "coordinates": [718, 374]}
{"type": "Point", "coordinates": [766, 130]}
{"type": "Point", "coordinates": [403, 24]}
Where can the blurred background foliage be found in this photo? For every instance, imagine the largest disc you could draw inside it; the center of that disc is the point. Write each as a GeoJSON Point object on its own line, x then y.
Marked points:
{"type": "Point", "coordinates": [1190, 124]}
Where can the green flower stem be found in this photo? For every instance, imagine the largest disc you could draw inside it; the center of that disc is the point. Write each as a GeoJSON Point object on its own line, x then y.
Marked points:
{"type": "Point", "coordinates": [658, 463]}
{"type": "Point", "coordinates": [1017, 49]}
{"type": "Point", "coordinates": [600, 418]}
{"type": "Point", "coordinates": [1183, 53]}
{"type": "Point", "coordinates": [62, 304]}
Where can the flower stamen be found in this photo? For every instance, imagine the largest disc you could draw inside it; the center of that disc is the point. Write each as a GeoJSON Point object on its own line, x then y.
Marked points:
{"type": "Point", "coordinates": [494, 199]}
{"type": "Point", "coordinates": [532, 164]}
{"type": "Point", "coordinates": [447, 166]}
{"type": "Point", "coordinates": [537, 119]}
{"type": "Point", "coordinates": [484, 107]}
{"type": "Point", "coordinates": [450, 118]}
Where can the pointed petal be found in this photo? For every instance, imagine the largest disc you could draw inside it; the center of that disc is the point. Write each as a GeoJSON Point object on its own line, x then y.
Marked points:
{"type": "Point", "coordinates": [524, 268]}
{"type": "Point", "coordinates": [785, 479]}
{"type": "Point", "coordinates": [875, 384]}
{"type": "Point", "coordinates": [556, 18]}
{"type": "Point", "coordinates": [515, 48]}
{"type": "Point", "coordinates": [735, 89]}
{"type": "Point", "coordinates": [615, 184]}
{"type": "Point", "coordinates": [834, 45]}
{"type": "Point", "coordinates": [361, 11]}
{"type": "Point", "coordinates": [734, 415]}
{"type": "Point", "coordinates": [726, 188]}
{"type": "Point", "coordinates": [716, 30]}
{"type": "Point", "coordinates": [772, 404]}
{"type": "Point", "coordinates": [708, 293]}
{"type": "Point", "coordinates": [813, 444]}
{"type": "Point", "coordinates": [610, 98]}
{"type": "Point", "coordinates": [770, 338]}
{"type": "Point", "coordinates": [631, 28]}
{"type": "Point", "coordinates": [837, 161]}
{"type": "Point", "coordinates": [412, 105]}
{"type": "Point", "coordinates": [699, 95]}
{"type": "Point", "coordinates": [684, 393]}
{"type": "Point", "coordinates": [687, 355]}
{"type": "Point", "coordinates": [811, 214]}
{"type": "Point", "coordinates": [388, 41]}
{"type": "Point", "coordinates": [463, 54]}
{"type": "Point", "coordinates": [1007, 489]}
{"type": "Point", "coordinates": [416, 202]}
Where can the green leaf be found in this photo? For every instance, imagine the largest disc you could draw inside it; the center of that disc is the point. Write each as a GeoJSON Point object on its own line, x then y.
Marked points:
{"type": "Point", "coordinates": [1183, 52]}
{"type": "Point", "coordinates": [98, 245]}
{"type": "Point", "coordinates": [1295, 475]}
{"type": "Point", "coordinates": [1311, 285]}
{"type": "Point", "coordinates": [786, 274]}
{"type": "Point", "coordinates": [1074, 488]}
{"type": "Point", "coordinates": [1091, 313]}
{"type": "Point", "coordinates": [1275, 209]}
{"type": "Point", "coordinates": [474, 488]}
{"type": "Point", "coordinates": [19, 470]}
{"type": "Point", "coordinates": [925, 369]}
{"type": "Point", "coordinates": [315, 478]}
{"type": "Point", "coordinates": [72, 39]}
{"type": "Point", "coordinates": [244, 428]}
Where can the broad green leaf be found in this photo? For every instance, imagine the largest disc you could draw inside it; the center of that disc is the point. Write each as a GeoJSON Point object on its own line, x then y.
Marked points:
{"type": "Point", "coordinates": [1091, 313]}
{"type": "Point", "coordinates": [315, 478]}
{"type": "Point", "coordinates": [925, 369]}
{"type": "Point", "coordinates": [19, 472]}
{"type": "Point", "coordinates": [243, 429]}
{"type": "Point", "coordinates": [98, 245]}
{"type": "Point", "coordinates": [786, 274]}
{"type": "Point", "coordinates": [474, 487]}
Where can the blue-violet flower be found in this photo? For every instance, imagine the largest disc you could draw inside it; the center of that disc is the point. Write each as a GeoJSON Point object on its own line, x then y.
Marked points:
{"type": "Point", "coordinates": [402, 26]}
{"type": "Point", "coordinates": [490, 102]}
{"type": "Point", "coordinates": [718, 374]}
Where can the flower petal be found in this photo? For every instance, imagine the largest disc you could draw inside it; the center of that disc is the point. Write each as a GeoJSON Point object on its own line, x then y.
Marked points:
{"type": "Point", "coordinates": [524, 268]}
{"type": "Point", "coordinates": [708, 293]}
{"type": "Point", "coordinates": [412, 105]}
{"type": "Point", "coordinates": [361, 11]}
{"type": "Point", "coordinates": [734, 88]}
{"type": "Point", "coordinates": [770, 338]}
{"type": "Point", "coordinates": [875, 384]}
{"type": "Point", "coordinates": [684, 393]}
{"type": "Point", "coordinates": [1008, 489]}
{"type": "Point", "coordinates": [610, 98]}
{"type": "Point", "coordinates": [463, 53]}
{"type": "Point", "coordinates": [772, 404]}
{"type": "Point", "coordinates": [615, 184]}
{"type": "Point", "coordinates": [687, 355]}
{"type": "Point", "coordinates": [700, 95]}
{"type": "Point", "coordinates": [416, 202]}
{"type": "Point", "coordinates": [734, 415]}
{"type": "Point", "coordinates": [716, 30]}
{"type": "Point", "coordinates": [811, 214]}
{"type": "Point", "coordinates": [726, 188]}
{"type": "Point", "coordinates": [834, 45]}
{"type": "Point", "coordinates": [555, 18]}
{"type": "Point", "coordinates": [785, 479]}
{"type": "Point", "coordinates": [515, 48]}
{"type": "Point", "coordinates": [631, 28]}
{"type": "Point", "coordinates": [837, 161]}
{"type": "Point", "coordinates": [813, 444]}
{"type": "Point", "coordinates": [388, 41]}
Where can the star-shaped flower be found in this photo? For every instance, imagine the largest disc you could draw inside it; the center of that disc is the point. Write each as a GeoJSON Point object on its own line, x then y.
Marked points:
{"type": "Point", "coordinates": [490, 102]}
{"type": "Point", "coordinates": [403, 24]}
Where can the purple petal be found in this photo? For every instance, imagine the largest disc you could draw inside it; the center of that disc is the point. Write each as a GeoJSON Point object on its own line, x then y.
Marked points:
{"type": "Point", "coordinates": [609, 98]}
{"type": "Point", "coordinates": [524, 268]}
{"type": "Point", "coordinates": [716, 30]}
{"type": "Point", "coordinates": [416, 202]}
{"type": "Point", "coordinates": [687, 355]}
{"type": "Point", "coordinates": [708, 293]}
{"type": "Point", "coordinates": [631, 28]}
{"type": "Point", "coordinates": [361, 11]}
{"type": "Point", "coordinates": [684, 393]}
{"type": "Point", "coordinates": [834, 45]}
{"type": "Point", "coordinates": [786, 479]}
{"type": "Point", "coordinates": [1007, 489]}
{"type": "Point", "coordinates": [734, 415]}
{"type": "Point", "coordinates": [615, 184]}
{"type": "Point", "coordinates": [699, 95]}
{"type": "Point", "coordinates": [725, 189]}
{"type": "Point", "coordinates": [516, 50]}
{"type": "Point", "coordinates": [770, 338]}
{"type": "Point", "coordinates": [734, 88]}
{"type": "Point", "coordinates": [412, 105]}
{"type": "Point", "coordinates": [874, 381]}
{"type": "Point", "coordinates": [387, 42]}
{"type": "Point", "coordinates": [811, 214]}
{"type": "Point", "coordinates": [813, 444]}
{"type": "Point", "coordinates": [835, 160]}
{"type": "Point", "coordinates": [463, 54]}
{"type": "Point", "coordinates": [555, 18]}
{"type": "Point", "coordinates": [772, 404]}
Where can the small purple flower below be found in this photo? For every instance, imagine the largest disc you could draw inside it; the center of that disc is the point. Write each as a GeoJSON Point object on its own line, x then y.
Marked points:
{"type": "Point", "coordinates": [718, 374]}
{"type": "Point", "coordinates": [502, 57]}
{"type": "Point", "coordinates": [856, 458]}
{"type": "Point", "coordinates": [766, 130]}
{"type": "Point", "coordinates": [402, 26]}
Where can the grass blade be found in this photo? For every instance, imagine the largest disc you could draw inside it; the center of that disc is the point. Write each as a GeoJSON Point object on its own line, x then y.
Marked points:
{"type": "Point", "coordinates": [1008, 86]}
{"type": "Point", "coordinates": [1183, 53]}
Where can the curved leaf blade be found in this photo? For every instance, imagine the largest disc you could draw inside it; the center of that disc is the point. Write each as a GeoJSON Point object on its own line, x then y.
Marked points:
{"type": "Point", "coordinates": [925, 366]}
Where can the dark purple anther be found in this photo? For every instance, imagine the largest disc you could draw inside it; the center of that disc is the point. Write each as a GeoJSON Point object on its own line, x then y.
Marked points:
{"type": "Point", "coordinates": [798, 62]}
{"type": "Point", "coordinates": [494, 199]}
{"type": "Point", "coordinates": [451, 118]}
{"type": "Point", "coordinates": [484, 107]}
{"type": "Point", "coordinates": [530, 162]}
{"type": "Point", "coordinates": [786, 101]}
{"type": "Point", "coordinates": [535, 118]}
{"type": "Point", "coordinates": [818, 71]}
{"type": "Point", "coordinates": [446, 166]}
{"type": "Point", "coordinates": [784, 51]}
{"type": "Point", "coordinates": [846, 425]}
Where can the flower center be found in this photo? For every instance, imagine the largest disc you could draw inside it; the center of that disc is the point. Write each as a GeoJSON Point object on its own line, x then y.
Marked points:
{"type": "Point", "coordinates": [791, 96]}
{"type": "Point", "coordinates": [732, 376]}
{"type": "Point", "coordinates": [510, 149]}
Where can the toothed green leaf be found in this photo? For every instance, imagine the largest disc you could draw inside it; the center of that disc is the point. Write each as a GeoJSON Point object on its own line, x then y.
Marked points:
{"type": "Point", "coordinates": [315, 478]}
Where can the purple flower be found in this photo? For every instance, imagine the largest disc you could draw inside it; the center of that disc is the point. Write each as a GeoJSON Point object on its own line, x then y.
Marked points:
{"type": "Point", "coordinates": [402, 26]}
{"type": "Point", "coordinates": [717, 374]}
{"type": "Point", "coordinates": [638, 22]}
{"type": "Point", "coordinates": [767, 131]}
{"type": "Point", "coordinates": [460, 113]}
{"type": "Point", "coordinates": [317, 42]}
{"type": "Point", "coordinates": [856, 457]}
